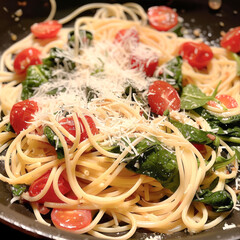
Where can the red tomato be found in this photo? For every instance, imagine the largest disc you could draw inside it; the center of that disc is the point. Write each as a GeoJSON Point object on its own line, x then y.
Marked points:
{"type": "Point", "coordinates": [162, 18]}
{"type": "Point", "coordinates": [197, 54]}
{"type": "Point", "coordinates": [26, 58]}
{"type": "Point", "coordinates": [71, 219]}
{"type": "Point", "coordinates": [201, 148]}
{"type": "Point", "coordinates": [231, 41]}
{"type": "Point", "coordinates": [48, 29]}
{"type": "Point", "coordinates": [125, 36]}
{"type": "Point", "coordinates": [162, 96]}
{"type": "Point", "coordinates": [147, 65]}
{"type": "Point", "coordinates": [21, 114]}
{"type": "Point", "coordinates": [69, 125]}
{"type": "Point", "coordinates": [226, 100]}
{"type": "Point", "coordinates": [38, 185]}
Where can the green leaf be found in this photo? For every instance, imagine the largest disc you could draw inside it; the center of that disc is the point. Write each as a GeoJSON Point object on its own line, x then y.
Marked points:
{"type": "Point", "coordinates": [220, 201]}
{"type": "Point", "coordinates": [18, 189]}
{"type": "Point", "coordinates": [237, 59]}
{"type": "Point", "coordinates": [192, 97]}
{"type": "Point", "coordinates": [86, 38]}
{"type": "Point", "coordinates": [227, 128]}
{"type": "Point", "coordinates": [53, 139]}
{"type": "Point", "coordinates": [36, 75]}
{"type": "Point", "coordinates": [223, 162]}
{"type": "Point", "coordinates": [174, 67]}
{"type": "Point", "coordinates": [193, 134]}
{"type": "Point", "coordinates": [58, 58]}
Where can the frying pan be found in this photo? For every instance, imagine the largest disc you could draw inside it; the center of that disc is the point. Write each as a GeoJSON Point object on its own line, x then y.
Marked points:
{"type": "Point", "coordinates": [18, 220]}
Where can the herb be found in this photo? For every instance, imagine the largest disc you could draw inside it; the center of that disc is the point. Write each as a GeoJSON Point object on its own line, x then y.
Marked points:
{"type": "Point", "coordinates": [18, 189]}
{"type": "Point", "coordinates": [192, 97]}
{"type": "Point", "coordinates": [227, 128]}
{"type": "Point", "coordinates": [172, 73]}
{"type": "Point", "coordinates": [220, 201]}
{"type": "Point", "coordinates": [177, 29]}
{"type": "Point", "coordinates": [90, 93]}
{"type": "Point", "coordinates": [223, 162]}
{"type": "Point", "coordinates": [153, 160]}
{"type": "Point", "coordinates": [193, 134]}
{"type": "Point", "coordinates": [237, 59]}
{"type": "Point", "coordinates": [58, 57]}
{"type": "Point", "coordinates": [85, 38]}
{"type": "Point", "coordinates": [53, 139]}
{"type": "Point", "coordinates": [36, 75]}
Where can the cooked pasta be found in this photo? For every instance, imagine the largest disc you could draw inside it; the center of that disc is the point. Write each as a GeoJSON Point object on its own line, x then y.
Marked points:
{"type": "Point", "coordinates": [139, 169]}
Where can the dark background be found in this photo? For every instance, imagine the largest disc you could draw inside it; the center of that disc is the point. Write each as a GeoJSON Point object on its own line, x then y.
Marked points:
{"type": "Point", "coordinates": [196, 14]}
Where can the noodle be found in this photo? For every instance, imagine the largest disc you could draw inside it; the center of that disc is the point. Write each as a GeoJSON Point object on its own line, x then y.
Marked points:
{"type": "Point", "coordinates": [98, 177]}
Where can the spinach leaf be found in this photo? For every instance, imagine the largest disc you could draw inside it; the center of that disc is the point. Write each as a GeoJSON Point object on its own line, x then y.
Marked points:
{"type": "Point", "coordinates": [172, 73]}
{"type": "Point", "coordinates": [227, 128]}
{"type": "Point", "coordinates": [192, 97]}
{"type": "Point", "coordinates": [18, 189]}
{"type": "Point", "coordinates": [178, 29]}
{"type": "Point", "coordinates": [223, 162]}
{"type": "Point", "coordinates": [58, 57]}
{"type": "Point", "coordinates": [237, 59]}
{"type": "Point", "coordinates": [237, 152]}
{"type": "Point", "coordinates": [220, 201]}
{"type": "Point", "coordinates": [36, 75]}
{"type": "Point", "coordinates": [54, 141]}
{"type": "Point", "coordinates": [86, 38]}
{"type": "Point", "coordinates": [154, 160]}
{"type": "Point", "coordinates": [193, 134]}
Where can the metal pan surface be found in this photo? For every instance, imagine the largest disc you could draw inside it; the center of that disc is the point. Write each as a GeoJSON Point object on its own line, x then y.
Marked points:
{"type": "Point", "coordinates": [17, 220]}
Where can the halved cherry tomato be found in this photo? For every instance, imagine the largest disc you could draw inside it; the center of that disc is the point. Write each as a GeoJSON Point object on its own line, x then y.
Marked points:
{"type": "Point", "coordinates": [21, 114]}
{"type": "Point", "coordinates": [231, 41]}
{"type": "Point", "coordinates": [145, 64]}
{"type": "Point", "coordinates": [162, 96]}
{"type": "Point", "coordinates": [127, 36]}
{"type": "Point", "coordinates": [226, 100]}
{"type": "Point", "coordinates": [24, 59]}
{"type": "Point", "coordinates": [162, 18]}
{"type": "Point", "coordinates": [197, 54]}
{"type": "Point", "coordinates": [48, 29]}
{"type": "Point", "coordinates": [69, 125]}
{"type": "Point", "coordinates": [71, 219]}
{"type": "Point", "coordinates": [38, 185]}
{"type": "Point", "coordinates": [201, 148]}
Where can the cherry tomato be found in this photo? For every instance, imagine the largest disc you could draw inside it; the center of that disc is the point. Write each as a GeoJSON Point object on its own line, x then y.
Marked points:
{"type": "Point", "coordinates": [226, 100]}
{"type": "Point", "coordinates": [147, 65]}
{"type": "Point", "coordinates": [26, 58]}
{"type": "Point", "coordinates": [162, 18]}
{"type": "Point", "coordinates": [69, 125]}
{"type": "Point", "coordinates": [21, 114]}
{"type": "Point", "coordinates": [162, 96]}
{"type": "Point", "coordinates": [197, 54]}
{"type": "Point", "coordinates": [71, 219]}
{"type": "Point", "coordinates": [48, 29]}
{"type": "Point", "coordinates": [201, 148]}
{"type": "Point", "coordinates": [38, 185]}
{"type": "Point", "coordinates": [231, 41]}
{"type": "Point", "coordinates": [125, 36]}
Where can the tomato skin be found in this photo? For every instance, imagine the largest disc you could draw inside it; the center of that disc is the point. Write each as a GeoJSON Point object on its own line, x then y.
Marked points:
{"type": "Point", "coordinates": [231, 41]}
{"type": "Point", "coordinates": [147, 65]}
{"type": "Point", "coordinates": [24, 59]}
{"type": "Point", "coordinates": [47, 29]}
{"type": "Point", "coordinates": [162, 18]}
{"type": "Point", "coordinates": [71, 220]}
{"type": "Point", "coordinates": [127, 35]}
{"type": "Point", "coordinates": [68, 124]}
{"type": "Point", "coordinates": [197, 54]}
{"type": "Point", "coordinates": [21, 114]}
{"type": "Point", "coordinates": [162, 96]}
{"type": "Point", "coordinates": [228, 101]}
{"type": "Point", "coordinates": [37, 186]}
{"type": "Point", "coordinates": [201, 148]}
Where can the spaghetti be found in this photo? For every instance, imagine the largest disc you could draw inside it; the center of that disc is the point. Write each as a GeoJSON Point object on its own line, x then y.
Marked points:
{"type": "Point", "coordinates": [105, 171]}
